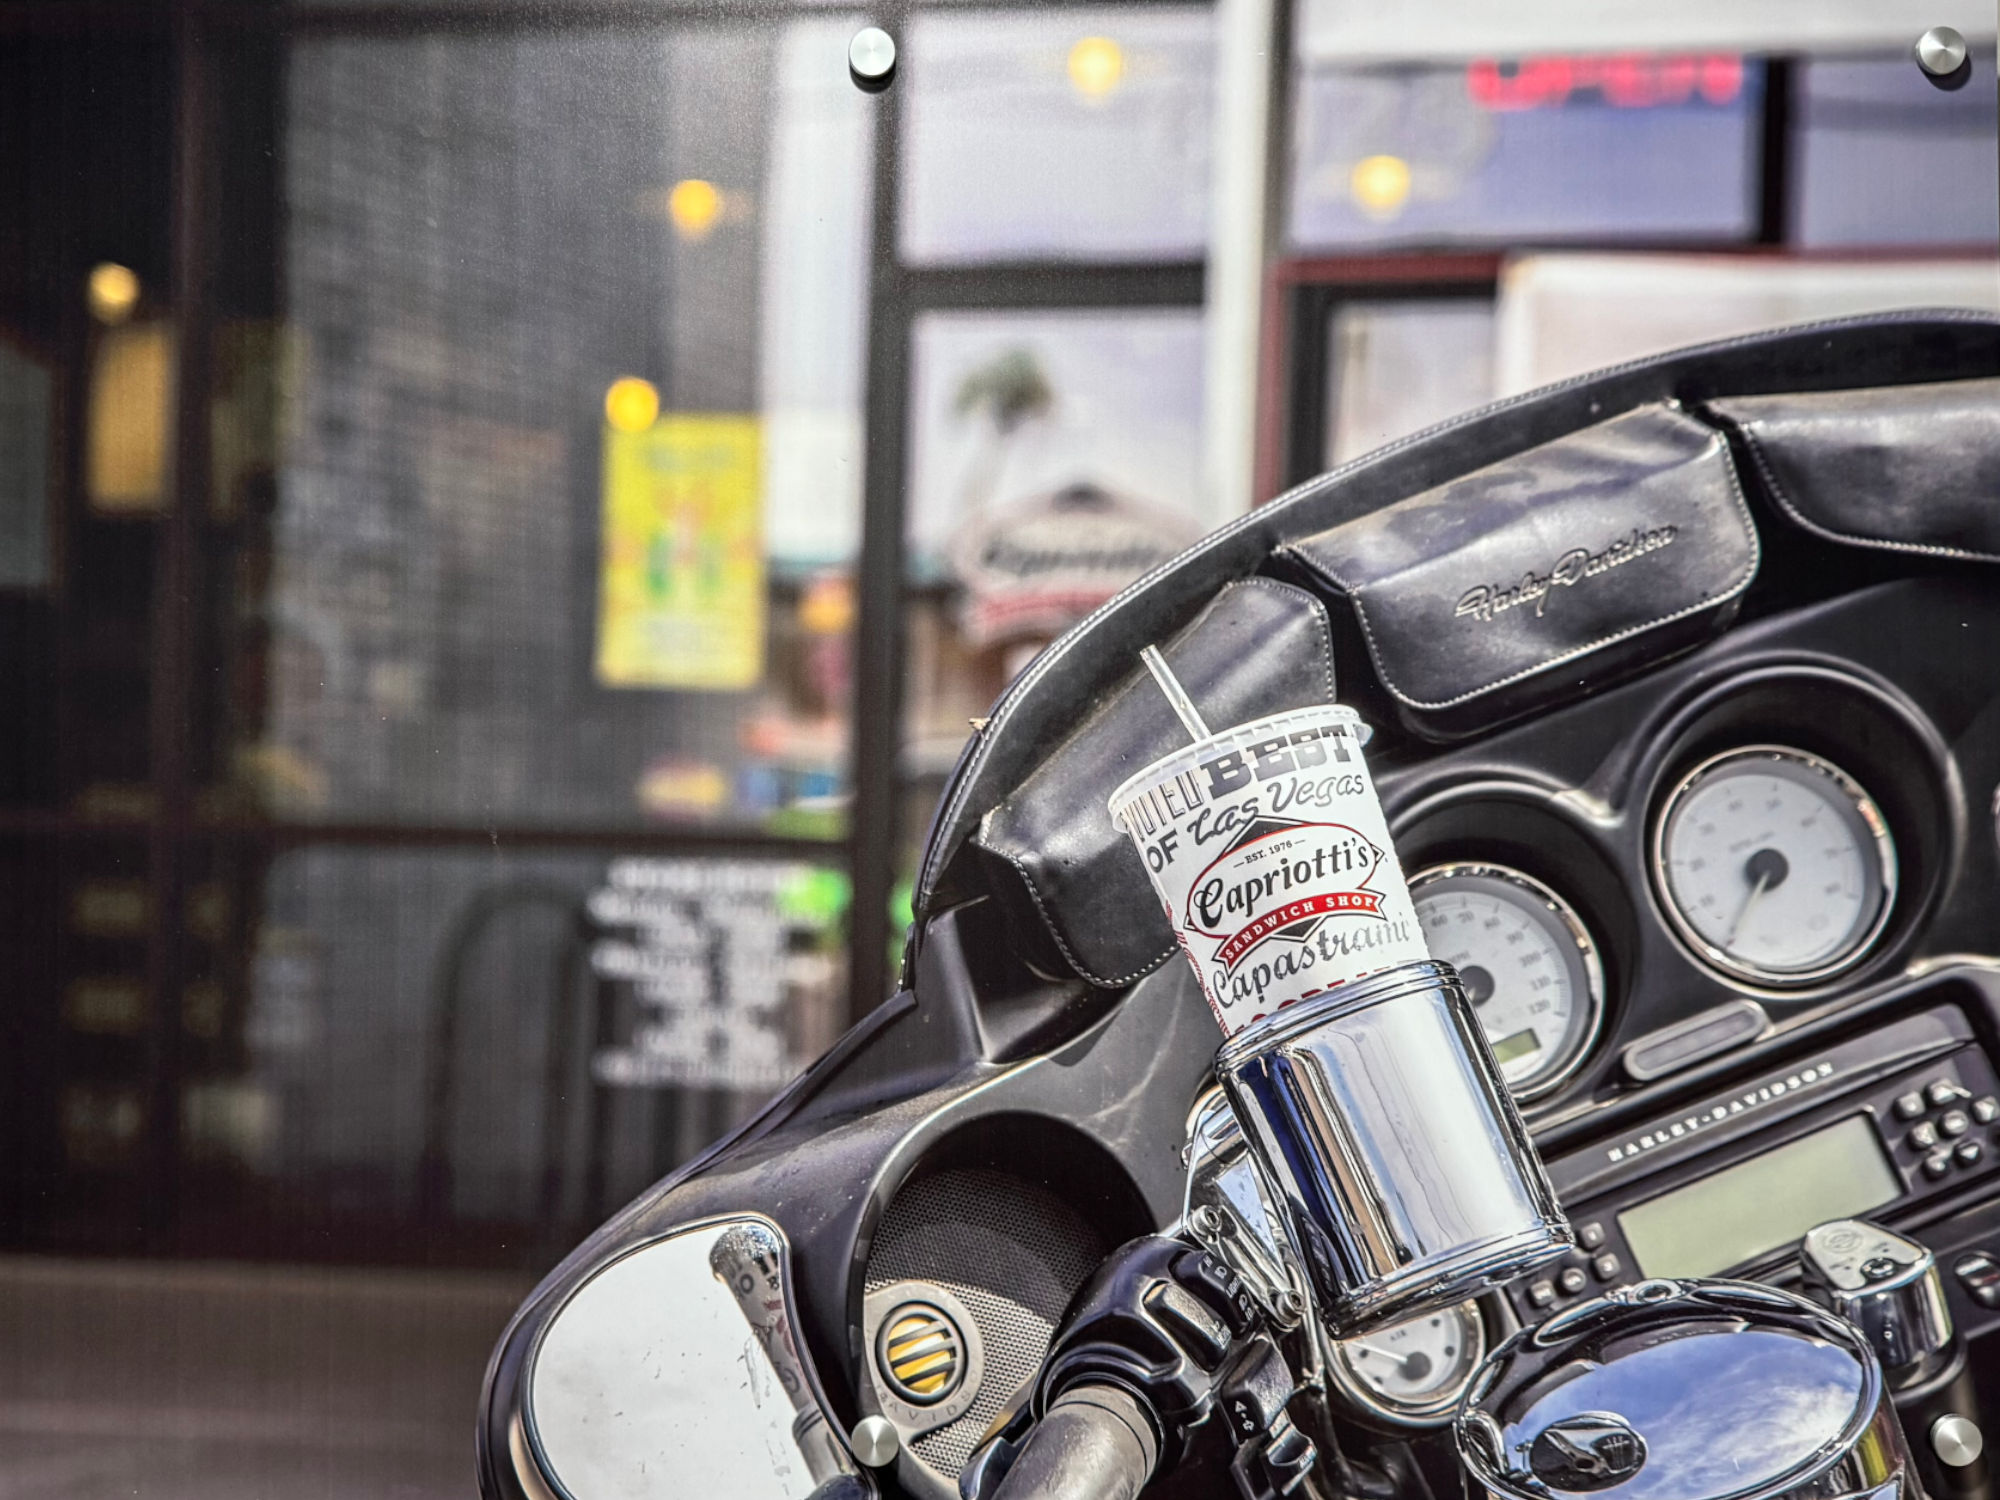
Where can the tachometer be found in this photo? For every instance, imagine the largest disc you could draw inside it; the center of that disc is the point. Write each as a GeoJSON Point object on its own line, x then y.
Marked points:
{"type": "Point", "coordinates": [1414, 1372]}
{"type": "Point", "coordinates": [1528, 965]}
{"type": "Point", "coordinates": [1774, 865]}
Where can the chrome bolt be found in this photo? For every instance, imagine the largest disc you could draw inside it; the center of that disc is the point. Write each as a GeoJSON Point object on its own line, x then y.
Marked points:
{"type": "Point", "coordinates": [1289, 1307]}
{"type": "Point", "coordinates": [875, 1441]}
{"type": "Point", "coordinates": [1956, 1440]}
{"type": "Point", "coordinates": [1206, 1223]}
{"type": "Point", "coordinates": [1942, 54]}
{"type": "Point", "coordinates": [871, 59]}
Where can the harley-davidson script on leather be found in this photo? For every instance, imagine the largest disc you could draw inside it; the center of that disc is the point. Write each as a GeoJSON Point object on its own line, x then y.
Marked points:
{"type": "Point", "coordinates": [1269, 851]}
{"type": "Point", "coordinates": [1485, 600]}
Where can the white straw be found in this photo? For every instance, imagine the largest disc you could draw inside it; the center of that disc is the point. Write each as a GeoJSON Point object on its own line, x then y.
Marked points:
{"type": "Point", "coordinates": [1183, 705]}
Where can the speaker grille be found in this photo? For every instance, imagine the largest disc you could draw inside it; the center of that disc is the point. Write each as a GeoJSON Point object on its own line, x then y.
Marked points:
{"type": "Point", "coordinates": [1013, 1252]}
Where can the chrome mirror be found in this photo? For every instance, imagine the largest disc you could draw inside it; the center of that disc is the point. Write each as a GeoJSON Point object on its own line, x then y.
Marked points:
{"type": "Point", "coordinates": [674, 1370]}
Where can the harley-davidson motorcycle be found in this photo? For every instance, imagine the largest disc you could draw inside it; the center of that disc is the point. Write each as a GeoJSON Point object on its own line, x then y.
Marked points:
{"type": "Point", "coordinates": [1673, 1173]}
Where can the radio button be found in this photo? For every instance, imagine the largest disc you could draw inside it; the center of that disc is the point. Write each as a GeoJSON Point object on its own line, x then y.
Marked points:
{"type": "Point", "coordinates": [1937, 1164]}
{"type": "Point", "coordinates": [1571, 1280]}
{"type": "Point", "coordinates": [1605, 1267]}
{"type": "Point", "coordinates": [1967, 1153]}
{"type": "Point", "coordinates": [1942, 1091]}
{"type": "Point", "coordinates": [1542, 1294]}
{"type": "Point", "coordinates": [1590, 1236]}
{"type": "Point", "coordinates": [1954, 1123]}
{"type": "Point", "coordinates": [1909, 1106]}
{"type": "Point", "coordinates": [1979, 1274]}
{"type": "Point", "coordinates": [1922, 1137]}
{"type": "Point", "coordinates": [1986, 1110]}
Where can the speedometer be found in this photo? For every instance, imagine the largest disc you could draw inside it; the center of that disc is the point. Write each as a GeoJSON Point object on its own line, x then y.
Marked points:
{"type": "Point", "coordinates": [1528, 965]}
{"type": "Point", "coordinates": [1774, 865]}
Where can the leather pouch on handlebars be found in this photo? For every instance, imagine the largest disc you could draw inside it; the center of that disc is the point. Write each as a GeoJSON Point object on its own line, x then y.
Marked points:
{"type": "Point", "coordinates": [1073, 887]}
{"type": "Point", "coordinates": [1908, 468]}
{"type": "Point", "coordinates": [1546, 575]}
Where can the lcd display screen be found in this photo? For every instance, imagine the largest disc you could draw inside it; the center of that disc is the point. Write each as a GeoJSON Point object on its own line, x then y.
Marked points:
{"type": "Point", "coordinates": [1510, 1047]}
{"type": "Point", "coordinates": [1760, 1204]}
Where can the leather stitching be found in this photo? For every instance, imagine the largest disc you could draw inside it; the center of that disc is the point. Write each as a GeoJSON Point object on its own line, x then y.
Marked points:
{"type": "Point", "coordinates": [1083, 970]}
{"type": "Point", "coordinates": [1804, 522]}
{"type": "Point", "coordinates": [1715, 443]}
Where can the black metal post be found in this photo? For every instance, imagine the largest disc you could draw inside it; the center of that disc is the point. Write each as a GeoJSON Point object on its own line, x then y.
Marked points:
{"type": "Point", "coordinates": [174, 604]}
{"type": "Point", "coordinates": [874, 835]}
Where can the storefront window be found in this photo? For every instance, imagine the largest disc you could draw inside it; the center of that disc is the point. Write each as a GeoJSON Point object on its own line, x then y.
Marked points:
{"type": "Point", "coordinates": [568, 498]}
{"type": "Point", "coordinates": [1882, 163]}
{"type": "Point", "coordinates": [1535, 149]}
{"type": "Point", "coordinates": [1080, 135]}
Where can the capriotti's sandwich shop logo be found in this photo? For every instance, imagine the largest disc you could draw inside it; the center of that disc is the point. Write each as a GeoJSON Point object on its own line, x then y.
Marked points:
{"type": "Point", "coordinates": [1282, 880]}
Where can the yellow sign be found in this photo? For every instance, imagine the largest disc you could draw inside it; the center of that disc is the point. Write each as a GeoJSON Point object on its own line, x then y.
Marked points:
{"type": "Point", "coordinates": [681, 597]}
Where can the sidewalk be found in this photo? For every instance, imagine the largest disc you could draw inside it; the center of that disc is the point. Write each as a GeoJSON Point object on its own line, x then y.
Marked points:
{"type": "Point", "coordinates": [227, 1382]}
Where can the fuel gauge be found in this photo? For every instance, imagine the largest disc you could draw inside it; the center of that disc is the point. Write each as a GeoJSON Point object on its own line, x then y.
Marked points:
{"type": "Point", "coordinates": [1413, 1373]}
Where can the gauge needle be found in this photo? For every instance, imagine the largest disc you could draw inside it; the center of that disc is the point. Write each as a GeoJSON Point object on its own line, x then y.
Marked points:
{"type": "Point", "coordinates": [1388, 1354]}
{"type": "Point", "coordinates": [1767, 868]}
{"type": "Point", "coordinates": [1744, 910]}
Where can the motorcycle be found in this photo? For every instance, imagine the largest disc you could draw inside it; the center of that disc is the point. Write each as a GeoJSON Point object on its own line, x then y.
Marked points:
{"type": "Point", "coordinates": [1685, 702]}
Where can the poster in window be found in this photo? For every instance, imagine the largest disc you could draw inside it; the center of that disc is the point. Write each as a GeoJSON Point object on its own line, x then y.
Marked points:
{"type": "Point", "coordinates": [681, 595]}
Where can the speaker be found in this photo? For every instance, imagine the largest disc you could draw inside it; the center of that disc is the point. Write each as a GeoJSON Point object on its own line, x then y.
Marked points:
{"type": "Point", "coordinates": [1005, 1251]}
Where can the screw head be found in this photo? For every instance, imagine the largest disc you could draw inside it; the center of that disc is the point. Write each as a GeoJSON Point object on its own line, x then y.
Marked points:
{"type": "Point", "coordinates": [1941, 52]}
{"type": "Point", "coordinates": [875, 1441]}
{"type": "Point", "coordinates": [1205, 1222]}
{"type": "Point", "coordinates": [871, 59]}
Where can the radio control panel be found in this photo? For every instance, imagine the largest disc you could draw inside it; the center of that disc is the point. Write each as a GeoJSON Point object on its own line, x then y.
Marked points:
{"type": "Point", "coordinates": [1870, 1127]}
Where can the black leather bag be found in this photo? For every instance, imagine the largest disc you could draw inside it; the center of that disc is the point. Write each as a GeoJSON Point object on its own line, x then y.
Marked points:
{"type": "Point", "coordinates": [1907, 468]}
{"type": "Point", "coordinates": [1074, 889]}
{"type": "Point", "coordinates": [1546, 575]}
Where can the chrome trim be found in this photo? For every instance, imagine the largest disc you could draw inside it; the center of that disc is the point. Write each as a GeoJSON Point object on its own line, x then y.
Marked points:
{"type": "Point", "coordinates": [1397, 1159]}
{"type": "Point", "coordinates": [1433, 1412]}
{"type": "Point", "coordinates": [1888, 1286]}
{"type": "Point", "coordinates": [1718, 958]}
{"type": "Point", "coordinates": [1574, 1057]}
{"type": "Point", "coordinates": [1228, 1211]}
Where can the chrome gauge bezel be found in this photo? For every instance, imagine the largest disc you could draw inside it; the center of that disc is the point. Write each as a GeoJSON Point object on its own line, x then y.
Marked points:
{"type": "Point", "coordinates": [1433, 1411]}
{"type": "Point", "coordinates": [1744, 971]}
{"type": "Point", "coordinates": [1572, 1057]}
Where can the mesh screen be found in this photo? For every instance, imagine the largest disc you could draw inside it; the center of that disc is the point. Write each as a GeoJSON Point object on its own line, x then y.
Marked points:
{"type": "Point", "coordinates": [1013, 1252]}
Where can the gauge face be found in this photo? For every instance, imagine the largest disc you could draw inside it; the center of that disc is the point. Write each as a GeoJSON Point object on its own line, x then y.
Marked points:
{"type": "Point", "coordinates": [1413, 1372]}
{"type": "Point", "coordinates": [1774, 865]}
{"type": "Point", "coordinates": [1528, 966]}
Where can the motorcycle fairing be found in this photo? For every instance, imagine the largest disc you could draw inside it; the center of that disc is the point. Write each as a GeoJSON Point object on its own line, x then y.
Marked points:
{"type": "Point", "coordinates": [983, 1058]}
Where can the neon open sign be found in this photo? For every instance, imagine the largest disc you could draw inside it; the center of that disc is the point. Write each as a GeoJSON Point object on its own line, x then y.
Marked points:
{"type": "Point", "coordinates": [1626, 80]}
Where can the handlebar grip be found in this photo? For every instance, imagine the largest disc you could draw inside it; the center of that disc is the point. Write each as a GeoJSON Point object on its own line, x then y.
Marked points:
{"type": "Point", "coordinates": [1097, 1442]}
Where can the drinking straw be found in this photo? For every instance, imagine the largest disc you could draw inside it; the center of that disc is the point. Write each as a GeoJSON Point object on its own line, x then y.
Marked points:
{"type": "Point", "coordinates": [1176, 695]}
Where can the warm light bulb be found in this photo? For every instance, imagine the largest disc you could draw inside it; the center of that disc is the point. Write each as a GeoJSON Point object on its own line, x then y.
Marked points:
{"type": "Point", "coordinates": [1096, 66]}
{"type": "Point", "coordinates": [632, 404]}
{"type": "Point", "coordinates": [113, 292]}
{"type": "Point", "coordinates": [694, 206]}
{"type": "Point", "coordinates": [1381, 185]}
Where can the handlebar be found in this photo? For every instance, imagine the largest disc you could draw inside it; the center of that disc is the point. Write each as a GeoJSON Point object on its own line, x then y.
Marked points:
{"type": "Point", "coordinates": [1095, 1443]}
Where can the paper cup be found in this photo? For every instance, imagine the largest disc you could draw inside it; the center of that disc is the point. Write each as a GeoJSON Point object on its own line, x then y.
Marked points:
{"type": "Point", "coordinates": [1269, 851]}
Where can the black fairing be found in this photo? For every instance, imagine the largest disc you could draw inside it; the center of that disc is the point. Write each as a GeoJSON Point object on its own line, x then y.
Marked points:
{"type": "Point", "coordinates": [998, 1054]}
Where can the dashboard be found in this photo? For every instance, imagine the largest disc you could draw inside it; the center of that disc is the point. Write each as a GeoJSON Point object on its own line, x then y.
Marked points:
{"type": "Point", "coordinates": [1782, 849]}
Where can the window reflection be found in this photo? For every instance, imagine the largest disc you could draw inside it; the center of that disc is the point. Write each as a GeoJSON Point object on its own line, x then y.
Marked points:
{"type": "Point", "coordinates": [1642, 145]}
{"type": "Point", "coordinates": [501, 586]}
{"type": "Point", "coordinates": [1077, 134]}
{"type": "Point", "coordinates": [1886, 158]}
{"type": "Point", "coordinates": [1055, 457]}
